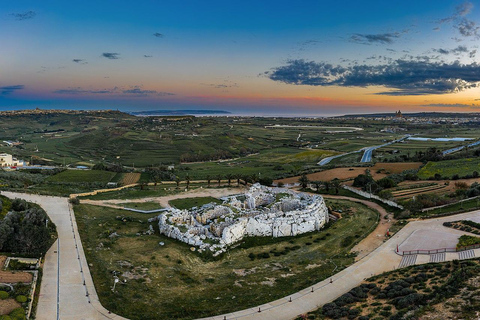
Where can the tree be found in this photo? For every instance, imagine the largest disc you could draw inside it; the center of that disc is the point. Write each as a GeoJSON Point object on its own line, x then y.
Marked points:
{"type": "Point", "coordinates": [177, 181]}
{"type": "Point", "coordinates": [209, 178]}
{"type": "Point", "coordinates": [303, 180]}
{"type": "Point", "coordinates": [187, 179]}
{"type": "Point", "coordinates": [219, 179]}
{"type": "Point", "coordinates": [336, 184]}
{"type": "Point", "coordinates": [317, 185]}
{"type": "Point", "coordinates": [229, 177]}
{"type": "Point", "coordinates": [327, 186]}
{"type": "Point", "coordinates": [238, 177]}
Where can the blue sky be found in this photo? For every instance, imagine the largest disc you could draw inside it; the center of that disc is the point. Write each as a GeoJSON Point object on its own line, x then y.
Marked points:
{"type": "Point", "coordinates": [282, 57]}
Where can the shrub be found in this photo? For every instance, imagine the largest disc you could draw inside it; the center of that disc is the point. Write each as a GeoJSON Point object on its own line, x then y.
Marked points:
{"type": "Point", "coordinates": [4, 295]}
{"type": "Point", "coordinates": [74, 200]}
{"type": "Point", "coordinates": [18, 314]}
{"type": "Point", "coordinates": [21, 299]}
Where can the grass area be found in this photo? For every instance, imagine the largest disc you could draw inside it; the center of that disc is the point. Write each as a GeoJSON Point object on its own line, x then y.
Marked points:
{"type": "Point", "coordinates": [417, 292]}
{"type": "Point", "coordinates": [187, 203]}
{"type": "Point", "coordinates": [142, 205]}
{"type": "Point", "coordinates": [453, 208]}
{"type": "Point", "coordinates": [85, 176]}
{"type": "Point", "coordinates": [448, 168]}
{"type": "Point", "coordinates": [172, 282]}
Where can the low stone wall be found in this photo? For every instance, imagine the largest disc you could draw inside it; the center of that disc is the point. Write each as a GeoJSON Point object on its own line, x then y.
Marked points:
{"type": "Point", "coordinates": [95, 192]}
{"type": "Point", "coordinates": [372, 196]}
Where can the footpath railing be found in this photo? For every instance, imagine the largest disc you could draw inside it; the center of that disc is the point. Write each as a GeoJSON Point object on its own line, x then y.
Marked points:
{"type": "Point", "coordinates": [434, 251]}
{"type": "Point", "coordinates": [372, 196]}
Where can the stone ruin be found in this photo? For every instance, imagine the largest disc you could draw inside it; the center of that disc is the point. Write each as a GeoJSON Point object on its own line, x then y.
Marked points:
{"type": "Point", "coordinates": [259, 212]}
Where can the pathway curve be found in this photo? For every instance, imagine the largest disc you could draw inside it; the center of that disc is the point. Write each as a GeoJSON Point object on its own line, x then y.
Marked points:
{"type": "Point", "coordinates": [164, 200]}
{"type": "Point", "coordinates": [67, 291]}
{"type": "Point", "coordinates": [377, 236]}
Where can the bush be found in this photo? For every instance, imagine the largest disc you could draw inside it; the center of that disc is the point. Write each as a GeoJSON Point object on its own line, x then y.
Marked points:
{"type": "Point", "coordinates": [21, 299]}
{"type": "Point", "coordinates": [74, 200]}
{"type": "Point", "coordinates": [18, 314]}
{"type": "Point", "coordinates": [4, 295]}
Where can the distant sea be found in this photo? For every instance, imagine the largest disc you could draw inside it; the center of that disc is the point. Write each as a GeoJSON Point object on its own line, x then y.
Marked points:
{"type": "Point", "coordinates": [195, 112]}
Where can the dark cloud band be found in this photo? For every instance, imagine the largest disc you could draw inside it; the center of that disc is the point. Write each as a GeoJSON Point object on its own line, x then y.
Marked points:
{"type": "Point", "coordinates": [407, 77]}
{"type": "Point", "coordinates": [111, 55]}
{"type": "Point", "coordinates": [10, 89]}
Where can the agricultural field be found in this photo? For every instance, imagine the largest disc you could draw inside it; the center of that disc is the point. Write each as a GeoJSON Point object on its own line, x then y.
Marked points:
{"type": "Point", "coordinates": [433, 291]}
{"type": "Point", "coordinates": [170, 281]}
{"type": "Point", "coordinates": [449, 168]}
{"type": "Point", "coordinates": [378, 171]}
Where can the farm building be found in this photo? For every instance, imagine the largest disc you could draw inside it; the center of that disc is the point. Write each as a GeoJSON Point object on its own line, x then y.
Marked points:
{"type": "Point", "coordinates": [7, 160]}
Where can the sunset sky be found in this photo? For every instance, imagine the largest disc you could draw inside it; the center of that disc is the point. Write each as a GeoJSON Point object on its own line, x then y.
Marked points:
{"type": "Point", "coordinates": [250, 57]}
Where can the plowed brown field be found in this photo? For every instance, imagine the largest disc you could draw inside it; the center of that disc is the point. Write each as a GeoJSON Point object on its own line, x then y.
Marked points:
{"type": "Point", "coordinates": [352, 172]}
{"type": "Point", "coordinates": [130, 178]}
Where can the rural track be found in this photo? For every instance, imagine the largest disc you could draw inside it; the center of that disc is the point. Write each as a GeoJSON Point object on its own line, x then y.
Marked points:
{"type": "Point", "coordinates": [377, 236]}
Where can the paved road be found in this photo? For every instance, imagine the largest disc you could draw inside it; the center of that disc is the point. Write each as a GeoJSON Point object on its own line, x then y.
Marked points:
{"type": "Point", "coordinates": [367, 152]}
{"type": "Point", "coordinates": [66, 277]}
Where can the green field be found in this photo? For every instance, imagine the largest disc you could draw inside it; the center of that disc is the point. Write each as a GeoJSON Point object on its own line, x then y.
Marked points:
{"type": "Point", "coordinates": [187, 203]}
{"type": "Point", "coordinates": [172, 282]}
{"type": "Point", "coordinates": [448, 168]}
{"type": "Point", "coordinates": [83, 176]}
{"type": "Point", "coordinates": [142, 205]}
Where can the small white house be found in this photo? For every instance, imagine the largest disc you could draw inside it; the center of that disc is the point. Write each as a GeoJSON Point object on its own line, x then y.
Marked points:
{"type": "Point", "coordinates": [7, 160]}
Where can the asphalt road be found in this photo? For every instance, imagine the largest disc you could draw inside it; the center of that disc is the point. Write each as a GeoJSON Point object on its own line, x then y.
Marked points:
{"type": "Point", "coordinates": [67, 290]}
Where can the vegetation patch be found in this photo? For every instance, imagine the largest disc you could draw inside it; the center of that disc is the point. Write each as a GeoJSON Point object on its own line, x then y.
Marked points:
{"type": "Point", "coordinates": [188, 203]}
{"type": "Point", "coordinates": [449, 168]}
{"type": "Point", "coordinates": [410, 293]}
{"type": "Point", "coordinates": [464, 225]}
{"type": "Point", "coordinates": [466, 240]}
{"type": "Point", "coordinates": [83, 176]}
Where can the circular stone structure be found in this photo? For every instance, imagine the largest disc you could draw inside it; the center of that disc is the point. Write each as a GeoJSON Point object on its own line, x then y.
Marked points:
{"type": "Point", "coordinates": [259, 212]}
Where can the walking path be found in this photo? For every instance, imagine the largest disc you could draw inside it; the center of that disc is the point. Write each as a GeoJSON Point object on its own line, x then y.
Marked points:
{"type": "Point", "coordinates": [377, 236]}
{"type": "Point", "coordinates": [164, 200]}
{"type": "Point", "coordinates": [67, 290]}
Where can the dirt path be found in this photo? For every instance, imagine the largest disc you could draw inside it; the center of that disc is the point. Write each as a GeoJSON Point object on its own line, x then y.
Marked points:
{"type": "Point", "coordinates": [163, 201]}
{"type": "Point", "coordinates": [377, 236]}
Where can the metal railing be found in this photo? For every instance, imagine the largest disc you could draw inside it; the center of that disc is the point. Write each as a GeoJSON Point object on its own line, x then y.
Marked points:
{"type": "Point", "coordinates": [434, 251]}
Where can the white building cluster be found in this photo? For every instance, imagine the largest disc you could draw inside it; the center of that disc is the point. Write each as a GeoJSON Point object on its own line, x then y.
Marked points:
{"type": "Point", "coordinates": [260, 212]}
{"type": "Point", "coordinates": [8, 161]}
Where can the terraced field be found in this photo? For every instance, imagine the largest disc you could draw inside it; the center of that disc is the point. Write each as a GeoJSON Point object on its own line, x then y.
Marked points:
{"type": "Point", "coordinates": [402, 194]}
